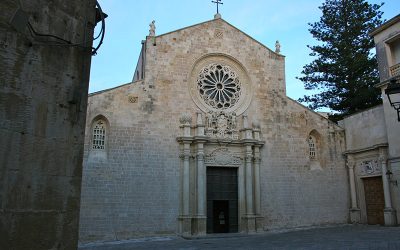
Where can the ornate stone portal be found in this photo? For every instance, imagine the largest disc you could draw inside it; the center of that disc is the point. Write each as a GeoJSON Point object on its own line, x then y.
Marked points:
{"type": "Point", "coordinates": [372, 164]}
{"type": "Point", "coordinates": [220, 87]}
{"type": "Point", "coordinates": [218, 143]}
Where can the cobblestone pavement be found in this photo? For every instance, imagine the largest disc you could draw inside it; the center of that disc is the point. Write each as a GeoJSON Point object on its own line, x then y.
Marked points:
{"type": "Point", "coordinates": [340, 237]}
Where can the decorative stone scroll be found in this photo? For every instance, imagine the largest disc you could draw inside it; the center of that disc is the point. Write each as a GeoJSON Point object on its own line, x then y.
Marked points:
{"type": "Point", "coordinates": [370, 168]}
{"type": "Point", "coordinates": [221, 125]}
{"type": "Point", "coordinates": [222, 157]}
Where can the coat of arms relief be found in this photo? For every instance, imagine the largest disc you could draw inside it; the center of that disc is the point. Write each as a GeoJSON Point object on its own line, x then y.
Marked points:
{"type": "Point", "coordinates": [370, 167]}
{"type": "Point", "coordinates": [221, 125]}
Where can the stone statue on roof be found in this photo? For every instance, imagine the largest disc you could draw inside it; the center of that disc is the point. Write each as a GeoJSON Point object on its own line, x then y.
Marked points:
{"type": "Point", "coordinates": [152, 30]}
{"type": "Point", "coordinates": [277, 47]}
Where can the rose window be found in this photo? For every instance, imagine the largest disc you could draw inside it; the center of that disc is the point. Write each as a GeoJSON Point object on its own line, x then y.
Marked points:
{"type": "Point", "coordinates": [219, 86]}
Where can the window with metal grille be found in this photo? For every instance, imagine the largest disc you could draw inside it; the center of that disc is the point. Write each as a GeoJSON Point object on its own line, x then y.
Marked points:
{"type": "Point", "coordinates": [311, 146]}
{"type": "Point", "coordinates": [99, 135]}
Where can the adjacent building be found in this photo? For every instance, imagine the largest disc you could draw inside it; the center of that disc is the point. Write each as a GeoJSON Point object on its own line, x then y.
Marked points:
{"type": "Point", "coordinates": [373, 142]}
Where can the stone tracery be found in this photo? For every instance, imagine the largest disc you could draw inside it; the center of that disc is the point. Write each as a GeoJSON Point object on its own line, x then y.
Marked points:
{"type": "Point", "coordinates": [219, 86]}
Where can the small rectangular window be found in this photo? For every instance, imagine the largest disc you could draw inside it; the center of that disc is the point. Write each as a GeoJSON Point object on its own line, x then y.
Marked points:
{"type": "Point", "coordinates": [99, 132]}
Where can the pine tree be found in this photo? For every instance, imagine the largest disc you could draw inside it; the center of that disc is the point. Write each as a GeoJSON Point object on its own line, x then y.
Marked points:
{"type": "Point", "coordinates": [345, 70]}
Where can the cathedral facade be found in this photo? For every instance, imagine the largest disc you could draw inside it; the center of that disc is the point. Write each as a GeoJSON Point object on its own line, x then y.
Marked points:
{"type": "Point", "coordinates": [205, 140]}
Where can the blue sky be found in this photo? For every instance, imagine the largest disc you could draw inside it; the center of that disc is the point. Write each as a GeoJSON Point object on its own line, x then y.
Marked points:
{"type": "Point", "coordinates": [265, 20]}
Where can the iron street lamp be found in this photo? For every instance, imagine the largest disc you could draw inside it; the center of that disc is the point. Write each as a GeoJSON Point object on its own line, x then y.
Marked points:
{"type": "Point", "coordinates": [393, 93]}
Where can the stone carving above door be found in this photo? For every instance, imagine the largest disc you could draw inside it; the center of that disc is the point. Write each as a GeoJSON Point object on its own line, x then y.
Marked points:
{"type": "Point", "coordinates": [222, 157]}
{"type": "Point", "coordinates": [369, 168]}
{"type": "Point", "coordinates": [222, 125]}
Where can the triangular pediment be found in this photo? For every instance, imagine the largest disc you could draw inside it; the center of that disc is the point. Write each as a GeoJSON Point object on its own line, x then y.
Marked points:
{"type": "Point", "coordinates": [222, 23]}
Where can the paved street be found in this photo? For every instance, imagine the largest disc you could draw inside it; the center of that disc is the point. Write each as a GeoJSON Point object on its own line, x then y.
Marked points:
{"type": "Point", "coordinates": [340, 237]}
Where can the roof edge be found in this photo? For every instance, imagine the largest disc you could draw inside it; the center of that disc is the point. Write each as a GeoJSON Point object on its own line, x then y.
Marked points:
{"type": "Point", "coordinates": [361, 111]}
{"type": "Point", "coordinates": [106, 90]}
{"type": "Point", "coordinates": [385, 25]}
{"type": "Point", "coordinates": [314, 112]}
{"type": "Point", "coordinates": [215, 19]}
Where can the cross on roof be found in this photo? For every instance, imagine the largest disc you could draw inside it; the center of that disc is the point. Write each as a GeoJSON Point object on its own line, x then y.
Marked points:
{"type": "Point", "coordinates": [217, 2]}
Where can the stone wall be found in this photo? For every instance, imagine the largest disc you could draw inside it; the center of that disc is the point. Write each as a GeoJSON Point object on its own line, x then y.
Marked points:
{"type": "Point", "coordinates": [133, 189]}
{"type": "Point", "coordinates": [43, 97]}
{"type": "Point", "coordinates": [365, 129]}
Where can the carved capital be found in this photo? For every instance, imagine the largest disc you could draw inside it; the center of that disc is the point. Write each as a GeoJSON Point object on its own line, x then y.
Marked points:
{"type": "Point", "coordinates": [248, 157]}
{"type": "Point", "coordinates": [257, 158]}
{"type": "Point", "coordinates": [200, 156]}
{"type": "Point", "coordinates": [350, 164]}
{"type": "Point", "coordinates": [383, 158]}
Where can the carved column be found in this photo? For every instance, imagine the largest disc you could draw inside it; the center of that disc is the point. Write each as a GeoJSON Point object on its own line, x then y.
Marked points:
{"type": "Point", "coordinates": [354, 210]}
{"type": "Point", "coordinates": [186, 139]}
{"type": "Point", "coordinates": [248, 142]}
{"type": "Point", "coordinates": [389, 212]}
{"type": "Point", "coordinates": [352, 185]}
{"type": "Point", "coordinates": [257, 189]}
{"type": "Point", "coordinates": [186, 176]}
{"type": "Point", "coordinates": [249, 181]}
{"type": "Point", "coordinates": [201, 218]}
{"type": "Point", "coordinates": [257, 183]}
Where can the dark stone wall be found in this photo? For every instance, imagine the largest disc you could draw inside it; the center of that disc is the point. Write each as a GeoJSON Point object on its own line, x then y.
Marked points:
{"type": "Point", "coordinates": [43, 98]}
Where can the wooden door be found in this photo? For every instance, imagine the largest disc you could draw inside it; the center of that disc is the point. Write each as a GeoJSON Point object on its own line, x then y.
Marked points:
{"type": "Point", "coordinates": [222, 200]}
{"type": "Point", "coordinates": [374, 200]}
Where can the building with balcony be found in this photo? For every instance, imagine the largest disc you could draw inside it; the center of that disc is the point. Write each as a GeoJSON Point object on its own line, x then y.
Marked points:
{"type": "Point", "coordinates": [373, 141]}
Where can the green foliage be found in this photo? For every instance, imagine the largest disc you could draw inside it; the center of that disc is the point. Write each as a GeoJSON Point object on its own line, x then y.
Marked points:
{"type": "Point", "coordinates": [344, 71]}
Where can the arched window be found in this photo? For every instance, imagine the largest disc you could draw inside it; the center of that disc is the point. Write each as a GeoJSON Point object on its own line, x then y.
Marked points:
{"type": "Point", "coordinates": [312, 147]}
{"type": "Point", "coordinates": [99, 135]}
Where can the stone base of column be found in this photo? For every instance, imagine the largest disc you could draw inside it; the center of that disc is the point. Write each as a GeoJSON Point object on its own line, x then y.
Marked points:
{"type": "Point", "coordinates": [199, 226]}
{"type": "Point", "coordinates": [259, 223]}
{"type": "Point", "coordinates": [355, 215]}
{"type": "Point", "coordinates": [249, 223]}
{"type": "Point", "coordinates": [184, 225]}
{"type": "Point", "coordinates": [390, 217]}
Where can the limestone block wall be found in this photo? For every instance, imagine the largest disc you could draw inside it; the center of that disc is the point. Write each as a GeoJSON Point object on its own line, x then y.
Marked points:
{"type": "Point", "coordinates": [365, 129]}
{"type": "Point", "coordinates": [295, 192]}
{"type": "Point", "coordinates": [134, 188]}
{"type": "Point", "coordinates": [43, 95]}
